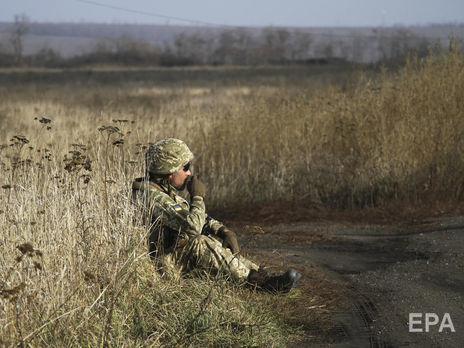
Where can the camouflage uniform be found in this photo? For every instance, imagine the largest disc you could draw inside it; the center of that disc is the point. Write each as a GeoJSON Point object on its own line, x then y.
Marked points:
{"type": "Point", "coordinates": [181, 233]}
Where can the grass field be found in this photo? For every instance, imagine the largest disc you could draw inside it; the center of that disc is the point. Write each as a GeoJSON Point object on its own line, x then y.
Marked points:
{"type": "Point", "coordinates": [74, 270]}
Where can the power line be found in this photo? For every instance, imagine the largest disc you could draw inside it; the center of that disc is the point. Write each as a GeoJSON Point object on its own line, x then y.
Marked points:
{"type": "Point", "coordinates": [153, 14]}
{"type": "Point", "coordinates": [197, 22]}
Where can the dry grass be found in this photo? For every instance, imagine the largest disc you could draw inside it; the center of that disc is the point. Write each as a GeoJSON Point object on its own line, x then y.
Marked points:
{"type": "Point", "coordinates": [399, 137]}
{"type": "Point", "coordinates": [74, 269]}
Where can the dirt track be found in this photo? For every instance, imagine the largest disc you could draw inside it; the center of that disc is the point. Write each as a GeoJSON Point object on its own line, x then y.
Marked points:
{"type": "Point", "coordinates": [362, 281]}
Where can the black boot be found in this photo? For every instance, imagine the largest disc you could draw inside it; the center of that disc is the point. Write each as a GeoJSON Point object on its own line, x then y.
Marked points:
{"type": "Point", "coordinates": [274, 283]}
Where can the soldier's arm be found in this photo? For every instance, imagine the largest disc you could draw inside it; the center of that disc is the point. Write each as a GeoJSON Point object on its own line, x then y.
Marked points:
{"type": "Point", "coordinates": [214, 226]}
{"type": "Point", "coordinates": [175, 217]}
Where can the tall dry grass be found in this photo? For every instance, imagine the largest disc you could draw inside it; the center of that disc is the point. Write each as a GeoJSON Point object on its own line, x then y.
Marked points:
{"type": "Point", "coordinates": [396, 137]}
{"type": "Point", "coordinates": [74, 269]}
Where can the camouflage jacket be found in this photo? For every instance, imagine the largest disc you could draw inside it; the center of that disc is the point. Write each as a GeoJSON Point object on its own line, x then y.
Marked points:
{"type": "Point", "coordinates": [173, 220]}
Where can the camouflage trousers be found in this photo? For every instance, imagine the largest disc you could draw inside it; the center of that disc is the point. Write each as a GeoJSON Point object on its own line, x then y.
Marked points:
{"type": "Point", "coordinates": [206, 253]}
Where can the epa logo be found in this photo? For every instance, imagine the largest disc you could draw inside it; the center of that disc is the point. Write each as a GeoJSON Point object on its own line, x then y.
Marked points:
{"type": "Point", "coordinates": [430, 319]}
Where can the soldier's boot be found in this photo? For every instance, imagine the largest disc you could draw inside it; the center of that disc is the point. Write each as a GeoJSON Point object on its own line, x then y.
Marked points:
{"type": "Point", "coordinates": [274, 283]}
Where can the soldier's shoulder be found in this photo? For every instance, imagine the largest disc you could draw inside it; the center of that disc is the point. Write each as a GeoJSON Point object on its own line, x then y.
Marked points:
{"type": "Point", "coordinates": [148, 189]}
{"type": "Point", "coordinates": [143, 185]}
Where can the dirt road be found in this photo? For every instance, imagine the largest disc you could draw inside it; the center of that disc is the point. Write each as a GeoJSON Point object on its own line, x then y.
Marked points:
{"type": "Point", "coordinates": [361, 282]}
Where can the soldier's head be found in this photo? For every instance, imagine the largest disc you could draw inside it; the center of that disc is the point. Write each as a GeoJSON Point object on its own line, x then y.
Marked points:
{"type": "Point", "coordinates": [169, 159]}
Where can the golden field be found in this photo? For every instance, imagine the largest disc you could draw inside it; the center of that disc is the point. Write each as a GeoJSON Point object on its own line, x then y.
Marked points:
{"type": "Point", "coordinates": [74, 270]}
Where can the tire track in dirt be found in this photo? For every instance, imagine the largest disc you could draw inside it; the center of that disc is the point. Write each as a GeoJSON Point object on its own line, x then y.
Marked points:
{"type": "Point", "coordinates": [370, 270]}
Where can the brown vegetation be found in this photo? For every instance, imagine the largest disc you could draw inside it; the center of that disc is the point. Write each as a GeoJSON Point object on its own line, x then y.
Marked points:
{"type": "Point", "coordinates": [74, 270]}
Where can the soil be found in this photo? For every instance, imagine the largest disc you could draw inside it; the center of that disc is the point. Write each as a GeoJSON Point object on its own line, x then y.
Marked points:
{"type": "Point", "coordinates": [362, 280]}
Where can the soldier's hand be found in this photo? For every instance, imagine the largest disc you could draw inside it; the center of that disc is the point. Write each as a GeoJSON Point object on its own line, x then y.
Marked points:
{"type": "Point", "coordinates": [196, 187]}
{"type": "Point", "coordinates": [229, 240]}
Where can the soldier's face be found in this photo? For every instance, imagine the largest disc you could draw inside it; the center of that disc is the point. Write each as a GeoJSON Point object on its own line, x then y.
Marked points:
{"type": "Point", "coordinates": [179, 178]}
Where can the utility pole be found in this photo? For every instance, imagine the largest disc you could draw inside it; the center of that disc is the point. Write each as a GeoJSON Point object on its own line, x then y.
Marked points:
{"type": "Point", "coordinates": [20, 27]}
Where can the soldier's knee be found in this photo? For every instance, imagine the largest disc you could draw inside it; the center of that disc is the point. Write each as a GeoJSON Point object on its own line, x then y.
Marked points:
{"type": "Point", "coordinates": [199, 239]}
{"type": "Point", "coordinates": [204, 242]}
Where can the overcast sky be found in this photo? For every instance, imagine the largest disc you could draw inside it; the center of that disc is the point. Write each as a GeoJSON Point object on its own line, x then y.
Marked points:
{"type": "Point", "coordinates": [306, 13]}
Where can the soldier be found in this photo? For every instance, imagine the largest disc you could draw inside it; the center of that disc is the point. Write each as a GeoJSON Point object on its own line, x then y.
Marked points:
{"type": "Point", "coordinates": [182, 235]}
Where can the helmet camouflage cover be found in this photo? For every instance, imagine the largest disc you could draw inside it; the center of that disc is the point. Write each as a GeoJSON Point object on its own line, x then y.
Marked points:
{"type": "Point", "coordinates": [167, 156]}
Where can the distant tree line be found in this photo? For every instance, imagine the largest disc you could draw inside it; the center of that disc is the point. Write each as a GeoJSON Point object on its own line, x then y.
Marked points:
{"type": "Point", "coordinates": [238, 46]}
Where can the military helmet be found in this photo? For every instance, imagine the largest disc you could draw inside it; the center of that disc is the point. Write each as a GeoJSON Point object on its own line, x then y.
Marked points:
{"type": "Point", "coordinates": [167, 156]}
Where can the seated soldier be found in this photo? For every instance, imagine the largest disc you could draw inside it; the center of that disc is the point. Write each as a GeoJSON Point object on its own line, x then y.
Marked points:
{"type": "Point", "coordinates": [181, 233]}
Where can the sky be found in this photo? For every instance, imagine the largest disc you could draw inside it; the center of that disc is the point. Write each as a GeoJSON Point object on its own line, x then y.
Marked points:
{"type": "Point", "coordinates": [297, 13]}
